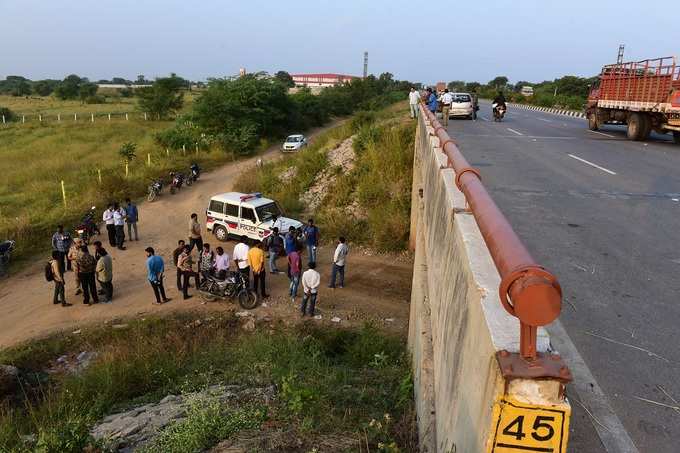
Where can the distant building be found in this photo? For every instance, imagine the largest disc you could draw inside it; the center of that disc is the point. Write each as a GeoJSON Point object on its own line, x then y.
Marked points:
{"type": "Point", "coordinates": [321, 80]}
{"type": "Point", "coordinates": [527, 91]}
{"type": "Point", "coordinates": [121, 86]}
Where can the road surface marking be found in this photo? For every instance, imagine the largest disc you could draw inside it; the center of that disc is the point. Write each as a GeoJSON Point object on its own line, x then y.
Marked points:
{"type": "Point", "coordinates": [543, 119]}
{"type": "Point", "coordinates": [515, 132]}
{"type": "Point", "coordinates": [592, 164]}
{"type": "Point", "coordinates": [602, 133]}
{"type": "Point", "coordinates": [484, 118]}
{"type": "Point", "coordinates": [613, 435]}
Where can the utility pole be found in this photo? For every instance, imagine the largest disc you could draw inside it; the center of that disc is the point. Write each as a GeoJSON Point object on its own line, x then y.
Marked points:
{"type": "Point", "coordinates": [619, 60]}
{"type": "Point", "coordinates": [365, 64]}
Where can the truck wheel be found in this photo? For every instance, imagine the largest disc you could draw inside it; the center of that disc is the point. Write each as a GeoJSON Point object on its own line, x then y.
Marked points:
{"type": "Point", "coordinates": [676, 137]}
{"type": "Point", "coordinates": [647, 127]}
{"type": "Point", "coordinates": [636, 127]}
{"type": "Point", "coordinates": [221, 234]}
{"type": "Point", "coordinates": [593, 124]}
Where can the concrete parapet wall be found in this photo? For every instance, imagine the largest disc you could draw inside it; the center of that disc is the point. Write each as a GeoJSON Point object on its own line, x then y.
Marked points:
{"type": "Point", "coordinates": [457, 323]}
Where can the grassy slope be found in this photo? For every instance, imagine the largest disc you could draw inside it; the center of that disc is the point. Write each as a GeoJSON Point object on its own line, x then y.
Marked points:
{"type": "Point", "coordinates": [330, 381]}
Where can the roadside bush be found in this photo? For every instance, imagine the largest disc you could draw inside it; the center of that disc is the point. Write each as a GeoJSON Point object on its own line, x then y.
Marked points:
{"type": "Point", "coordinates": [95, 99]}
{"type": "Point", "coordinates": [8, 114]}
{"type": "Point", "coordinates": [360, 119]}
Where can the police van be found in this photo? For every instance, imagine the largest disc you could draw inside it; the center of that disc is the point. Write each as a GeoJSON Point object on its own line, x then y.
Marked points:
{"type": "Point", "coordinates": [238, 214]}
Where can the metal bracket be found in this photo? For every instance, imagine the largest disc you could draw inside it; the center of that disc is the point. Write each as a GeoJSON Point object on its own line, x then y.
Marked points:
{"type": "Point", "coordinates": [545, 366]}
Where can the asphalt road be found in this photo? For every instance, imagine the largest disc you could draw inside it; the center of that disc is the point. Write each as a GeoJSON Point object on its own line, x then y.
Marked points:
{"type": "Point", "coordinates": [602, 213]}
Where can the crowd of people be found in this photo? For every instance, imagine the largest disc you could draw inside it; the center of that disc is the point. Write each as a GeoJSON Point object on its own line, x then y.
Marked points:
{"type": "Point", "coordinates": [93, 273]}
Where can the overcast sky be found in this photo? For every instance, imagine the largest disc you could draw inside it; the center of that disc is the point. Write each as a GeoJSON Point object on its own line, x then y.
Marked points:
{"type": "Point", "coordinates": [529, 40]}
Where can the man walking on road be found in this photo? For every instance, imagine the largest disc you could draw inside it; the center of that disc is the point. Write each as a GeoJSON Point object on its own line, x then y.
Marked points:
{"type": "Point", "coordinates": [241, 258]}
{"type": "Point", "coordinates": [61, 242]}
{"type": "Point", "coordinates": [155, 268]}
{"type": "Point", "coordinates": [58, 278]}
{"type": "Point", "coordinates": [175, 258]}
{"type": "Point", "coordinates": [339, 258]}
{"type": "Point", "coordinates": [294, 271]}
{"type": "Point", "coordinates": [413, 99]}
{"type": "Point", "coordinates": [274, 247]}
{"type": "Point", "coordinates": [311, 232]}
{"type": "Point", "coordinates": [256, 262]}
{"type": "Point", "coordinates": [131, 218]}
{"type": "Point", "coordinates": [447, 99]}
{"type": "Point", "coordinates": [104, 271]}
{"type": "Point", "coordinates": [195, 238]}
{"type": "Point", "coordinates": [310, 286]}
{"type": "Point", "coordinates": [110, 227]}
{"type": "Point", "coordinates": [119, 224]}
{"type": "Point", "coordinates": [86, 269]}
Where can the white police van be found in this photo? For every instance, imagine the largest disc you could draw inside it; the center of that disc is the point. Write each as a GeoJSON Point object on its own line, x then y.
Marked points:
{"type": "Point", "coordinates": [238, 214]}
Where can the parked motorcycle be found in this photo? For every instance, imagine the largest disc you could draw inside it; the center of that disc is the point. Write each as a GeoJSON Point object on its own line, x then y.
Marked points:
{"type": "Point", "coordinates": [6, 249]}
{"type": "Point", "coordinates": [177, 179]}
{"type": "Point", "coordinates": [155, 189]}
{"type": "Point", "coordinates": [498, 112]}
{"type": "Point", "coordinates": [233, 286]}
{"type": "Point", "coordinates": [194, 173]}
{"type": "Point", "coordinates": [88, 226]}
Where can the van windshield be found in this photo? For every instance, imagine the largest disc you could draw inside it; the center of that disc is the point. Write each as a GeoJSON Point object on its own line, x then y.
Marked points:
{"type": "Point", "coordinates": [267, 211]}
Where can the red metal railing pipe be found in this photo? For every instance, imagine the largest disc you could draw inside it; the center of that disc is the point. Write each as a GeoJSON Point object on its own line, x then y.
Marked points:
{"type": "Point", "coordinates": [527, 290]}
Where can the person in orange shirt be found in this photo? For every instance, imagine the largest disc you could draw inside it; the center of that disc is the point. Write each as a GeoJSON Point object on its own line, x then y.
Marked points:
{"type": "Point", "coordinates": [256, 261]}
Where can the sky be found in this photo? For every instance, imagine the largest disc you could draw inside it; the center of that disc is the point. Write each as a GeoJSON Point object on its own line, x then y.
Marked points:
{"type": "Point", "coordinates": [531, 40]}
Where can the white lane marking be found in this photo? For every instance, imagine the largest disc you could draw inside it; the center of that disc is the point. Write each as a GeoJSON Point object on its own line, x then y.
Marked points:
{"type": "Point", "coordinates": [514, 131]}
{"type": "Point", "coordinates": [592, 164]}
{"type": "Point", "coordinates": [543, 119]}
{"type": "Point", "coordinates": [602, 133]}
{"type": "Point", "coordinates": [484, 118]}
{"type": "Point", "coordinates": [613, 435]}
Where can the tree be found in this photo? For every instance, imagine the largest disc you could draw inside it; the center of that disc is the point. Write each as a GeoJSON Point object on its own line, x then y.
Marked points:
{"type": "Point", "coordinates": [472, 87]}
{"type": "Point", "coordinates": [120, 81]}
{"type": "Point", "coordinates": [499, 82]}
{"type": "Point", "coordinates": [285, 79]}
{"type": "Point", "coordinates": [456, 85]}
{"type": "Point", "coordinates": [87, 90]}
{"type": "Point", "coordinates": [127, 151]}
{"type": "Point", "coordinates": [69, 88]}
{"type": "Point", "coordinates": [45, 87]}
{"type": "Point", "coordinates": [162, 98]}
{"type": "Point", "coordinates": [141, 80]}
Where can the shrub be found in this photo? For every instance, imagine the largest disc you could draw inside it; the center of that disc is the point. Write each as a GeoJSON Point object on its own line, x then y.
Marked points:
{"type": "Point", "coordinates": [7, 113]}
{"type": "Point", "coordinates": [95, 99]}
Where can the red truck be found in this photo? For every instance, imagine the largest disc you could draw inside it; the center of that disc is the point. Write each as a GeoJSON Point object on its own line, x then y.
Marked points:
{"type": "Point", "coordinates": [644, 95]}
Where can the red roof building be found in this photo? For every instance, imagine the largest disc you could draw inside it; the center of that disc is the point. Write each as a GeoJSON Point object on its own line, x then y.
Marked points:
{"type": "Point", "coordinates": [320, 80]}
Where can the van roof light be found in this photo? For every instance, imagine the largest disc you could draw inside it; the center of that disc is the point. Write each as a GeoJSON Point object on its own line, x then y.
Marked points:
{"type": "Point", "coordinates": [251, 195]}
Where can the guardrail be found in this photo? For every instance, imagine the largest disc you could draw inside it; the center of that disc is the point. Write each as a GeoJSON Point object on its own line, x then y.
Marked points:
{"type": "Point", "coordinates": [527, 290]}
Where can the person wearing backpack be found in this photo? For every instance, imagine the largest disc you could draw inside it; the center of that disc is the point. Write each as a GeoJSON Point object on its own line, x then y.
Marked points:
{"type": "Point", "coordinates": [53, 273]}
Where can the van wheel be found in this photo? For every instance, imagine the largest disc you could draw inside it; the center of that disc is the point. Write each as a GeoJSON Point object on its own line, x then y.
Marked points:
{"type": "Point", "coordinates": [637, 126]}
{"type": "Point", "coordinates": [221, 233]}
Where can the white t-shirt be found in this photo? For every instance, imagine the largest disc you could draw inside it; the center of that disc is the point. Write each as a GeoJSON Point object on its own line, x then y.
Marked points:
{"type": "Point", "coordinates": [241, 255]}
{"type": "Point", "coordinates": [108, 216]}
{"type": "Point", "coordinates": [119, 217]}
{"type": "Point", "coordinates": [413, 97]}
{"type": "Point", "coordinates": [340, 254]}
{"type": "Point", "coordinates": [222, 262]}
{"type": "Point", "coordinates": [447, 98]}
{"type": "Point", "coordinates": [310, 281]}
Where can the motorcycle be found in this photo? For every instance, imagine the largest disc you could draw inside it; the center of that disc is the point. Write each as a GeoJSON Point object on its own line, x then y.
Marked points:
{"type": "Point", "coordinates": [6, 249]}
{"type": "Point", "coordinates": [88, 227]}
{"type": "Point", "coordinates": [155, 189]}
{"type": "Point", "coordinates": [233, 286]}
{"type": "Point", "coordinates": [177, 179]}
{"type": "Point", "coordinates": [194, 173]}
{"type": "Point", "coordinates": [498, 112]}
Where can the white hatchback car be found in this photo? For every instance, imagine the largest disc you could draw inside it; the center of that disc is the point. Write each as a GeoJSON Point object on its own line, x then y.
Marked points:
{"type": "Point", "coordinates": [294, 143]}
{"type": "Point", "coordinates": [462, 105]}
{"type": "Point", "coordinates": [239, 214]}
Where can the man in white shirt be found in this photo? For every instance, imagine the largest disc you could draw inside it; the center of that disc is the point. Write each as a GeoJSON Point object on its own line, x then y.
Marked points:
{"type": "Point", "coordinates": [241, 258]}
{"type": "Point", "coordinates": [221, 263]}
{"type": "Point", "coordinates": [110, 228]}
{"type": "Point", "coordinates": [447, 99]}
{"type": "Point", "coordinates": [310, 285]}
{"type": "Point", "coordinates": [339, 258]}
{"type": "Point", "coordinates": [119, 225]}
{"type": "Point", "coordinates": [413, 99]}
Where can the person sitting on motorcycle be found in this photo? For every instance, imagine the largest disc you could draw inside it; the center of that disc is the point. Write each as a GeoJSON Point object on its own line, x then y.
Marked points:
{"type": "Point", "coordinates": [195, 169]}
{"type": "Point", "coordinates": [499, 100]}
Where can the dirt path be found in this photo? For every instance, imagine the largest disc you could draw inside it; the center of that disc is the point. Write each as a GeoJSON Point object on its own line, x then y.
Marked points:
{"type": "Point", "coordinates": [378, 287]}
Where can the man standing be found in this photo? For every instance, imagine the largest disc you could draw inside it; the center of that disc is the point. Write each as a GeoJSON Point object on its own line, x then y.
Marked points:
{"type": "Point", "coordinates": [294, 270]}
{"type": "Point", "coordinates": [155, 268]}
{"type": "Point", "coordinates": [290, 241]}
{"type": "Point", "coordinates": [447, 99]}
{"type": "Point", "coordinates": [185, 263]}
{"type": "Point", "coordinates": [431, 101]}
{"type": "Point", "coordinates": [131, 218]}
{"type": "Point", "coordinates": [206, 261]}
{"type": "Point", "coordinates": [58, 278]}
{"type": "Point", "coordinates": [311, 239]}
{"type": "Point", "coordinates": [119, 224]}
{"type": "Point", "coordinates": [110, 227]}
{"type": "Point", "coordinates": [74, 253]}
{"type": "Point", "coordinates": [221, 263]}
{"type": "Point", "coordinates": [310, 286]}
{"type": "Point", "coordinates": [256, 262]}
{"type": "Point", "coordinates": [339, 258]}
{"type": "Point", "coordinates": [413, 99]}
{"type": "Point", "coordinates": [61, 242]}
{"type": "Point", "coordinates": [175, 258]}
{"type": "Point", "coordinates": [86, 269]}
{"type": "Point", "coordinates": [241, 258]}
{"type": "Point", "coordinates": [274, 247]}
{"type": "Point", "coordinates": [104, 271]}
{"type": "Point", "coordinates": [195, 238]}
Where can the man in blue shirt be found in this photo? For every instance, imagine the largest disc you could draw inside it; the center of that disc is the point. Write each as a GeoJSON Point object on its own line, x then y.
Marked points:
{"type": "Point", "coordinates": [311, 239]}
{"type": "Point", "coordinates": [431, 101]}
{"type": "Point", "coordinates": [290, 241]}
{"type": "Point", "coordinates": [131, 218]}
{"type": "Point", "coordinates": [155, 268]}
{"type": "Point", "coordinates": [61, 242]}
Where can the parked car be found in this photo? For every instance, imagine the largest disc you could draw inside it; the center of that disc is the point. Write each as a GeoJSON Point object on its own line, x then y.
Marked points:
{"type": "Point", "coordinates": [294, 143]}
{"type": "Point", "coordinates": [462, 105]}
{"type": "Point", "coordinates": [239, 214]}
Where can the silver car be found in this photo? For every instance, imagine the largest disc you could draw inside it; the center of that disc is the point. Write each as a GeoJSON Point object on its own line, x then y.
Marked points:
{"type": "Point", "coordinates": [294, 143]}
{"type": "Point", "coordinates": [462, 105]}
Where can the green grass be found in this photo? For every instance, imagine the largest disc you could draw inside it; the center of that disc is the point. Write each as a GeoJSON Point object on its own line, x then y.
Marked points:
{"type": "Point", "coordinates": [330, 381]}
